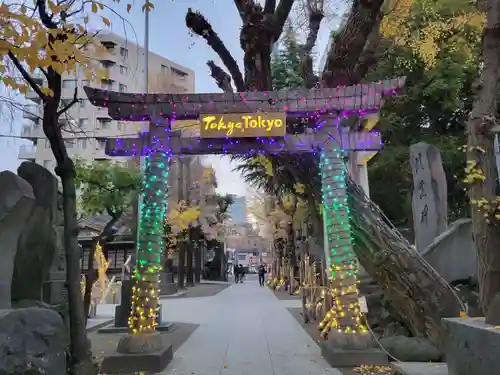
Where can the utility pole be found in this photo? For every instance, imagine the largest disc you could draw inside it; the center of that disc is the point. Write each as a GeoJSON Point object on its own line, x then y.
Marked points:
{"type": "Point", "coordinates": [182, 243]}
{"type": "Point", "coordinates": [189, 243]}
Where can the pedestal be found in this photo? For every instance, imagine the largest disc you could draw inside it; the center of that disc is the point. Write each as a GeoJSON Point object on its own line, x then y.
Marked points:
{"type": "Point", "coordinates": [471, 346]}
{"type": "Point", "coordinates": [167, 285]}
{"type": "Point", "coordinates": [54, 290]}
{"type": "Point", "coordinates": [347, 350]}
{"type": "Point", "coordinates": [146, 353]}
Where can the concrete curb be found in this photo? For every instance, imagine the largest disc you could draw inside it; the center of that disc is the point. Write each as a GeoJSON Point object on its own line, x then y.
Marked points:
{"type": "Point", "coordinates": [100, 325]}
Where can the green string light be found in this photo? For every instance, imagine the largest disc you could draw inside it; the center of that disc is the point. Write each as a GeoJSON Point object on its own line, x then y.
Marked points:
{"type": "Point", "coordinates": [342, 263]}
{"type": "Point", "coordinates": [150, 244]}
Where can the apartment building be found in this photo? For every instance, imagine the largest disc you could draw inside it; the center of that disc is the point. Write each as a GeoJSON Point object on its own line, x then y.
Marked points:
{"type": "Point", "coordinates": [85, 126]}
{"type": "Point", "coordinates": [238, 210]}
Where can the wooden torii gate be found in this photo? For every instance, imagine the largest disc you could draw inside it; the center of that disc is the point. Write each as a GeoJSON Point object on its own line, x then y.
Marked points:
{"type": "Point", "coordinates": [313, 124]}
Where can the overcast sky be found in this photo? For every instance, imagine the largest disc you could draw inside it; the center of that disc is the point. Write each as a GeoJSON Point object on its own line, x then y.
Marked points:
{"type": "Point", "coordinates": [169, 37]}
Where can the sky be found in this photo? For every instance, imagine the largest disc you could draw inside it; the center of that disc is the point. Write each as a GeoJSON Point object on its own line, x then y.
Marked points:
{"type": "Point", "coordinates": [170, 37]}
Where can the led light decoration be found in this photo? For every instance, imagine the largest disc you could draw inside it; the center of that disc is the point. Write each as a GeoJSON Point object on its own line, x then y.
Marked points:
{"type": "Point", "coordinates": [345, 315]}
{"type": "Point", "coordinates": [150, 244]}
{"type": "Point", "coordinates": [309, 106]}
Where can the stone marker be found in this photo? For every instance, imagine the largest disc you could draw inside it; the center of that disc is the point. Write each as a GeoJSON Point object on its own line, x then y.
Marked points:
{"type": "Point", "coordinates": [429, 200]}
{"type": "Point", "coordinates": [37, 244]}
{"type": "Point", "coordinates": [16, 203]}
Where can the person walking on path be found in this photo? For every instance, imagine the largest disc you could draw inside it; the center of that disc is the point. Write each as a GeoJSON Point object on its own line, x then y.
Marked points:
{"type": "Point", "coordinates": [262, 273]}
{"type": "Point", "coordinates": [242, 273]}
{"type": "Point", "coordinates": [236, 273]}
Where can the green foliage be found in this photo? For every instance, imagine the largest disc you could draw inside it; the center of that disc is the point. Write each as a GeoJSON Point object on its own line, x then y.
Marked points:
{"type": "Point", "coordinates": [434, 109]}
{"type": "Point", "coordinates": [106, 187]}
{"type": "Point", "coordinates": [286, 63]}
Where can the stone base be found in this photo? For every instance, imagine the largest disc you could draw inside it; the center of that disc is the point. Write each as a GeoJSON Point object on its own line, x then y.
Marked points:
{"type": "Point", "coordinates": [168, 289]}
{"type": "Point", "coordinates": [123, 363]}
{"type": "Point", "coordinates": [164, 327]}
{"type": "Point", "coordinates": [54, 292]}
{"type": "Point", "coordinates": [337, 357]}
{"type": "Point", "coordinates": [471, 346]}
{"type": "Point", "coordinates": [419, 368]}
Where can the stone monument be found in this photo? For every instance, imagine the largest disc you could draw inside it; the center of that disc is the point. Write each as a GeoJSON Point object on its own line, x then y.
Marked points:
{"type": "Point", "coordinates": [38, 243]}
{"type": "Point", "coordinates": [429, 200]}
{"type": "Point", "coordinates": [32, 338]}
{"type": "Point", "coordinates": [16, 204]}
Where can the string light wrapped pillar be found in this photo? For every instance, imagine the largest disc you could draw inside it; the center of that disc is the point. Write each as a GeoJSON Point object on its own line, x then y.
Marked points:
{"type": "Point", "coordinates": [143, 336]}
{"type": "Point", "coordinates": [349, 341]}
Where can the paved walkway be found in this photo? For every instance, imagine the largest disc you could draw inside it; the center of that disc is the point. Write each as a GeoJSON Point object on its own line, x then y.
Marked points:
{"type": "Point", "coordinates": [244, 330]}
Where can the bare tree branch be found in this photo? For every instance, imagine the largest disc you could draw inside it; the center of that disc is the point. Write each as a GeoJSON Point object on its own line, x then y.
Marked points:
{"type": "Point", "coordinates": [315, 11]}
{"type": "Point", "coordinates": [370, 55]}
{"type": "Point", "coordinates": [350, 42]}
{"type": "Point", "coordinates": [222, 79]}
{"type": "Point", "coordinates": [270, 6]}
{"type": "Point", "coordinates": [280, 17]}
{"type": "Point", "coordinates": [70, 104]}
{"type": "Point", "coordinates": [26, 76]}
{"type": "Point", "coordinates": [200, 26]}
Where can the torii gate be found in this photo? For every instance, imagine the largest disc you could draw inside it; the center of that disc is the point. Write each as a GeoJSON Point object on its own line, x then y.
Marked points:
{"type": "Point", "coordinates": [313, 123]}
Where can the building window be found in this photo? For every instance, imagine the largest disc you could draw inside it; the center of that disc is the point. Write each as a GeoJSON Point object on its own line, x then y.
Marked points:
{"type": "Point", "coordinates": [164, 69]}
{"type": "Point", "coordinates": [178, 73]}
{"type": "Point", "coordinates": [83, 123]}
{"type": "Point", "coordinates": [83, 143]}
{"type": "Point", "coordinates": [104, 123]}
{"type": "Point", "coordinates": [69, 83]}
{"type": "Point", "coordinates": [106, 85]}
{"type": "Point", "coordinates": [121, 126]}
{"type": "Point", "coordinates": [123, 70]}
{"type": "Point", "coordinates": [47, 143]}
{"type": "Point", "coordinates": [242, 256]}
{"type": "Point", "coordinates": [123, 53]}
{"type": "Point", "coordinates": [100, 144]}
{"type": "Point", "coordinates": [83, 103]}
{"type": "Point", "coordinates": [68, 143]}
{"type": "Point", "coordinates": [122, 88]}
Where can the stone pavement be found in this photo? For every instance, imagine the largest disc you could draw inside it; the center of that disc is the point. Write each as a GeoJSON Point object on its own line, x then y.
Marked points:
{"type": "Point", "coordinates": [244, 330]}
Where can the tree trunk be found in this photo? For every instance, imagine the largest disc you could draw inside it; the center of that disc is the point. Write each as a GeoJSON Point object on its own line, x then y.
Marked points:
{"type": "Point", "coordinates": [481, 155]}
{"type": "Point", "coordinates": [79, 346]}
{"type": "Point", "coordinates": [395, 265]}
{"type": "Point", "coordinates": [189, 261]}
{"type": "Point", "coordinates": [181, 267]}
{"type": "Point", "coordinates": [80, 351]}
{"type": "Point", "coordinates": [197, 255]}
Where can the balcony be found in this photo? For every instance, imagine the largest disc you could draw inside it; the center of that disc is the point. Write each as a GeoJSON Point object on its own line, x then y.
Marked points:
{"type": "Point", "coordinates": [31, 130]}
{"type": "Point", "coordinates": [39, 79]}
{"type": "Point", "coordinates": [27, 152]}
{"type": "Point", "coordinates": [32, 112]}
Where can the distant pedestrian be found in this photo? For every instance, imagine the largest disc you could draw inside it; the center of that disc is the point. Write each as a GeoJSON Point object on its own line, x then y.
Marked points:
{"type": "Point", "coordinates": [236, 273]}
{"type": "Point", "coordinates": [262, 274]}
{"type": "Point", "coordinates": [242, 273]}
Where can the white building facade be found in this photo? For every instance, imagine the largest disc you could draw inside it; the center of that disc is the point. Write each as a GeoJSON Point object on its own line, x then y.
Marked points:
{"type": "Point", "coordinates": [85, 127]}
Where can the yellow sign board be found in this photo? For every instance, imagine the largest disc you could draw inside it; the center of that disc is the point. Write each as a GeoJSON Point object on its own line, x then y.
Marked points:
{"type": "Point", "coordinates": [243, 125]}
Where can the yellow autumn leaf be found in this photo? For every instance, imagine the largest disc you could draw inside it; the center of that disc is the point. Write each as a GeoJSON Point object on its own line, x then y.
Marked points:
{"type": "Point", "coordinates": [106, 21]}
{"type": "Point", "coordinates": [129, 6]}
{"type": "Point", "coordinates": [47, 91]}
{"type": "Point", "coordinates": [94, 8]}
